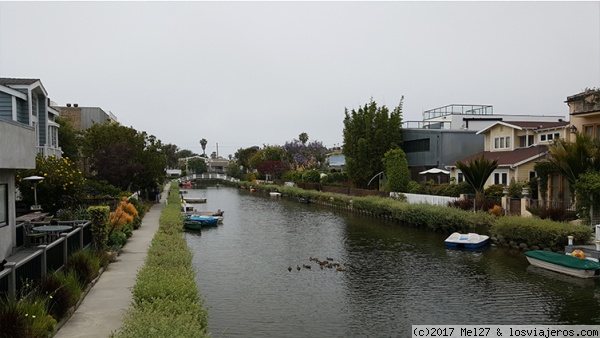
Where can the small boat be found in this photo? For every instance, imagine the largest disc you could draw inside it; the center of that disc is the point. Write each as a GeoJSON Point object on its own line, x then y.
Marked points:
{"type": "Point", "coordinates": [468, 241]}
{"type": "Point", "coordinates": [204, 220]}
{"type": "Point", "coordinates": [567, 264]}
{"type": "Point", "coordinates": [191, 225]}
{"type": "Point", "coordinates": [303, 200]}
{"type": "Point", "coordinates": [195, 200]}
{"type": "Point", "coordinates": [275, 194]}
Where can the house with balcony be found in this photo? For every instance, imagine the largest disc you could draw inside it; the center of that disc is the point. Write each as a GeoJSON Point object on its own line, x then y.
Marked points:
{"type": "Point", "coordinates": [25, 101]}
{"type": "Point", "coordinates": [517, 146]}
{"type": "Point", "coordinates": [584, 112]}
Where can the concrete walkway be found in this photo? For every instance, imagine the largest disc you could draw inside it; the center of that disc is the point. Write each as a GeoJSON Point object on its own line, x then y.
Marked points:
{"type": "Point", "coordinates": [104, 307]}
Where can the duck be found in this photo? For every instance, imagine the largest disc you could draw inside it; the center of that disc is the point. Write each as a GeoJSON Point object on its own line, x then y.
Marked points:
{"type": "Point", "coordinates": [298, 267]}
{"type": "Point", "coordinates": [339, 268]}
{"type": "Point", "coordinates": [306, 266]}
{"type": "Point", "coordinates": [290, 268]}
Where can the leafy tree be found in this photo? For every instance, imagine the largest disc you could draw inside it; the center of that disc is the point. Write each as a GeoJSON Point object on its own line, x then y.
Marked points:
{"type": "Point", "coordinates": [243, 157]}
{"type": "Point", "coordinates": [273, 168]}
{"type": "Point", "coordinates": [203, 143]}
{"type": "Point", "coordinates": [171, 152]}
{"type": "Point", "coordinates": [197, 165]}
{"type": "Point", "coordinates": [572, 159]}
{"type": "Point", "coordinates": [68, 139]}
{"type": "Point", "coordinates": [268, 153]}
{"type": "Point", "coordinates": [126, 158]}
{"type": "Point", "coordinates": [476, 173]}
{"type": "Point", "coordinates": [396, 170]}
{"type": "Point", "coordinates": [62, 186]}
{"type": "Point", "coordinates": [184, 153]}
{"type": "Point", "coordinates": [301, 156]}
{"type": "Point", "coordinates": [303, 137]}
{"type": "Point", "coordinates": [369, 133]}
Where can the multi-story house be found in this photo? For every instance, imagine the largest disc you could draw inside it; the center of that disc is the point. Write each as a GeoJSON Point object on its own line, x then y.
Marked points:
{"type": "Point", "coordinates": [517, 145]}
{"type": "Point", "coordinates": [584, 111]}
{"type": "Point", "coordinates": [27, 127]}
{"type": "Point", "coordinates": [26, 101]}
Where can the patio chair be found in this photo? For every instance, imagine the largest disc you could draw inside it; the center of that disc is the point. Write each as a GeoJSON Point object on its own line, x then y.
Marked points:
{"type": "Point", "coordinates": [32, 236]}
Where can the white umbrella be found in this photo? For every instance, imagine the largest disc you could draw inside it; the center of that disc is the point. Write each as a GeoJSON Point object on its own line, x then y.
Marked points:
{"type": "Point", "coordinates": [35, 180]}
{"type": "Point", "coordinates": [434, 171]}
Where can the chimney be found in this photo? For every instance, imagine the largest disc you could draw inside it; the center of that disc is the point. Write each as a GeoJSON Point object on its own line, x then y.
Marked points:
{"type": "Point", "coordinates": [68, 104]}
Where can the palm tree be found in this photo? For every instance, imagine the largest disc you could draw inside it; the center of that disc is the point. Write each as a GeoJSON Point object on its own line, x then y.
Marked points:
{"type": "Point", "coordinates": [203, 143]}
{"type": "Point", "coordinates": [575, 158]}
{"type": "Point", "coordinates": [303, 137]}
{"type": "Point", "coordinates": [476, 173]}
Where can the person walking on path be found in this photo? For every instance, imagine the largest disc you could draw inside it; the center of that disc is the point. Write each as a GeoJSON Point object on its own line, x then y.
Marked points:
{"type": "Point", "coordinates": [102, 310]}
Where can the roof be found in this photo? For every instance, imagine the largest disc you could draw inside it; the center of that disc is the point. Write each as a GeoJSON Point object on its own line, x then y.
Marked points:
{"type": "Point", "coordinates": [527, 125]}
{"type": "Point", "coordinates": [12, 81]}
{"type": "Point", "coordinates": [511, 158]}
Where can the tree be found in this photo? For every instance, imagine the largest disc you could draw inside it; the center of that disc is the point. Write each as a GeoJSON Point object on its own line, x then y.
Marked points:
{"type": "Point", "coordinates": [243, 157]}
{"type": "Point", "coordinates": [301, 156]}
{"type": "Point", "coordinates": [303, 137]}
{"type": "Point", "coordinates": [185, 153]}
{"type": "Point", "coordinates": [273, 168]}
{"type": "Point", "coordinates": [572, 159]}
{"type": "Point", "coordinates": [197, 165]}
{"type": "Point", "coordinates": [369, 133]}
{"type": "Point", "coordinates": [396, 170]}
{"type": "Point", "coordinates": [126, 158]}
{"type": "Point", "coordinates": [268, 153]}
{"type": "Point", "coordinates": [171, 152]}
{"type": "Point", "coordinates": [68, 139]}
{"type": "Point", "coordinates": [203, 143]}
{"type": "Point", "coordinates": [62, 186]}
{"type": "Point", "coordinates": [476, 173]}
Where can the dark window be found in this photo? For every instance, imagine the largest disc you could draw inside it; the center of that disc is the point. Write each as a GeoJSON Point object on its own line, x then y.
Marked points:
{"type": "Point", "coordinates": [3, 205]}
{"type": "Point", "coordinates": [414, 146]}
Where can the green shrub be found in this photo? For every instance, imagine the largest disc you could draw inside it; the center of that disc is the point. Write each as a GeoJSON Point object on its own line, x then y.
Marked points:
{"type": "Point", "coordinates": [85, 264]}
{"type": "Point", "coordinates": [127, 230]}
{"type": "Point", "coordinates": [62, 291]}
{"type": "Point", "coordinates": [99, 216]}
{"type": "Point", "coordinates": [117, 238]}
{"type": "Point", "coordinates": [539, 232]}
{"type": "Point", "coordinates": [557, 214]}
{"type": "Point", "coordinates": [25, 318]}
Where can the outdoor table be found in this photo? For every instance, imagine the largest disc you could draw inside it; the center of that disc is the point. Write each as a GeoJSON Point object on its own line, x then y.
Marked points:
{"type": "Point", "coordinates": [52, 230]}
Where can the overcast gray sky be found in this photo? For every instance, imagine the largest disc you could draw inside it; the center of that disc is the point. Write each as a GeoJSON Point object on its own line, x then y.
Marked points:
{"type": "Point", "coordinates": [251, 73]}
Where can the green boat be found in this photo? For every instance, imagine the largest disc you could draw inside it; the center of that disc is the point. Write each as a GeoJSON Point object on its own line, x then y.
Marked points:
{"type": "Point", "coordinates": [567, 264]}
{"type": "Point", "coordinates": [191, 225]}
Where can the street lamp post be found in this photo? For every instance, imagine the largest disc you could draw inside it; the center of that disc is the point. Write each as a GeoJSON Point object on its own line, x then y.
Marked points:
{"type": "Point", "coordinates": [35, 180]}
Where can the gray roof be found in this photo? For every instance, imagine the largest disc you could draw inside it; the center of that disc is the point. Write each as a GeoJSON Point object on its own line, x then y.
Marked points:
{"type": "Point", "coordinates": [12, 81]}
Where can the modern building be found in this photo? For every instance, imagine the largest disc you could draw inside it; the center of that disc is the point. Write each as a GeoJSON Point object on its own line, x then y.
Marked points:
{"type": "Point", "coordinates": [82, 118]}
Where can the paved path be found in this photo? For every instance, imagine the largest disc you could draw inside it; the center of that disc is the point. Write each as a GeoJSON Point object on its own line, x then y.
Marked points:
{"type": "Point", "coordinates": [104, 307]}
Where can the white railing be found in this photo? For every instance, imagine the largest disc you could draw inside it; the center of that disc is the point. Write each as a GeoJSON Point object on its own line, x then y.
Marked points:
{"type": "Point", "coordinates": [429, 199]}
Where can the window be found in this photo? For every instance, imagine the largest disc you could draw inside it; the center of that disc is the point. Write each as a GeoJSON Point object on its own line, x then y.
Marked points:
{"type": "Point", "coordinates": [461, 178]}
{"type": "Point", "coordinates": [3, 205]}
{"type": "Point", "coordinates": [501, 178]}
{"type": "Point", "coordinates": [414, 146]}
{"type": "Point", "coordinates": [526, 141]}
{"type": "Point", "coordinates": [502, 142]}
{"type": "Point", "coordinates": [549, 137]}
{"type": "Point", "coordinates": [592, 129]}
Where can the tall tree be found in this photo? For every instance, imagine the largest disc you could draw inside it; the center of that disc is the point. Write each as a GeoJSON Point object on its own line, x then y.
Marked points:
{"type": "Point", "coordinates": [203, 143]}
{"type": "Point", "coordinates": [476, 173]}
{"type": "Point", "coordinates": [126, 158]}
{"type": "Point", "coordinates": [301, 156]}
{"type": "Point", "coordinates": [396, 170]}
{"type": "Point", "coordinates": [369, 133]}
{"type": "Point", "coordinates": [243, 157]}
{"type": "Point", "coordinates": [303, 137]}
{"type": "Point", "coordinates": [197, 165]}
{"type": "Point", "coordinates": [68, 139]}
{"type": "Point", "coordinates": [170, 151]}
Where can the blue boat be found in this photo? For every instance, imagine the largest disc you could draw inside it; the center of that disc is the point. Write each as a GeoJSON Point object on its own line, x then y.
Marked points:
{"type": "Point", "coordinates": [204, 221]}
{"type": "Point", "coordinates": [468, 241]}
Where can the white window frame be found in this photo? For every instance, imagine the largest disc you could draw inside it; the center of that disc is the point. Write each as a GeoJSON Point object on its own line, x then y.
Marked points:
{"type": "Point", "coordinates": [500, 176]}
{"type": "Point", "coordinates": [502, 142]}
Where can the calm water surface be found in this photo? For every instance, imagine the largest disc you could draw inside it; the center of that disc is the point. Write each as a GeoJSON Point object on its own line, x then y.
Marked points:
{"type": "Point", "coordinates": [400, 276]}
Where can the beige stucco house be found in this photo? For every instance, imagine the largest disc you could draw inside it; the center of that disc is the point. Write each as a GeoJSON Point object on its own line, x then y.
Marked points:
{"type": "Point", "coordinates": [517, 145]}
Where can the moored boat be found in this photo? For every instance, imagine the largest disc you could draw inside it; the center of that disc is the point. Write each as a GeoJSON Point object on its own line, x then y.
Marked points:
{"type": "Point", "coordinates": [194, 200]}
{"type": "Point", "coordinates": [191, 225]}
{"type": "Point", "coordinates": [204, 220]}
{"type": "Point", "coordinates": [275, 194]}
{"type": "Point", "coordinates": [468, 241]}
{"type": "Point", "coordinates": [567, 264]}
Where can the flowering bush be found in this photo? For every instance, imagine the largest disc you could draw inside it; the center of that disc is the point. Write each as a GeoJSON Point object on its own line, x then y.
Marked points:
{"type": "Point", "coordinates": [62, 186]}
{"type": "Point", "coordinates": [126, 213]}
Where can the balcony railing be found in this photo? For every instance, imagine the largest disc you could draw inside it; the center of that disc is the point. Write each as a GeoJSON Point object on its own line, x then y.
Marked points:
{"type": "Point", "coordinates": [31, 264]}
{"type": "Point", "coordinates": [49, 151]}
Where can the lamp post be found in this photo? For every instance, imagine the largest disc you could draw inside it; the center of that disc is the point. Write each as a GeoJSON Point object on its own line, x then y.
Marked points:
{"type": "Point", "coordinates": [35, 180]}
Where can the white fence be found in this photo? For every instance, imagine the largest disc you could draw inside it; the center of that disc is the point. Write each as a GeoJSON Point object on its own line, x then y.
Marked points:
{"type": "Point", "coordinates": [429, 199]}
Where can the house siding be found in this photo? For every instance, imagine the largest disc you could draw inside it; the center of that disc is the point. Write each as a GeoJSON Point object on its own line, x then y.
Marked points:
{"type": "Point", "coordinates": [22, 111]}
{"type": "Point", "coordinates": [6, 106]}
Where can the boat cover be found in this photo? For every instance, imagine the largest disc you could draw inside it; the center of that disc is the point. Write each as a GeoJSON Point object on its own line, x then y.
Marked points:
{"type": "Point", "coordinates": [470, 238]}
{"type": "Point", "coordinates": [564, 260]}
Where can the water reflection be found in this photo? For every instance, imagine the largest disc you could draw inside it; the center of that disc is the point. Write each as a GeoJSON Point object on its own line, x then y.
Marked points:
{"type": "Point", "coordinates": [400, 276]}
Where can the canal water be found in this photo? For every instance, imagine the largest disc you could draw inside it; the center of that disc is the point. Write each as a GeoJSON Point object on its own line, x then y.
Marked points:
{"type": "Point", "coordinates": [395, 276]}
